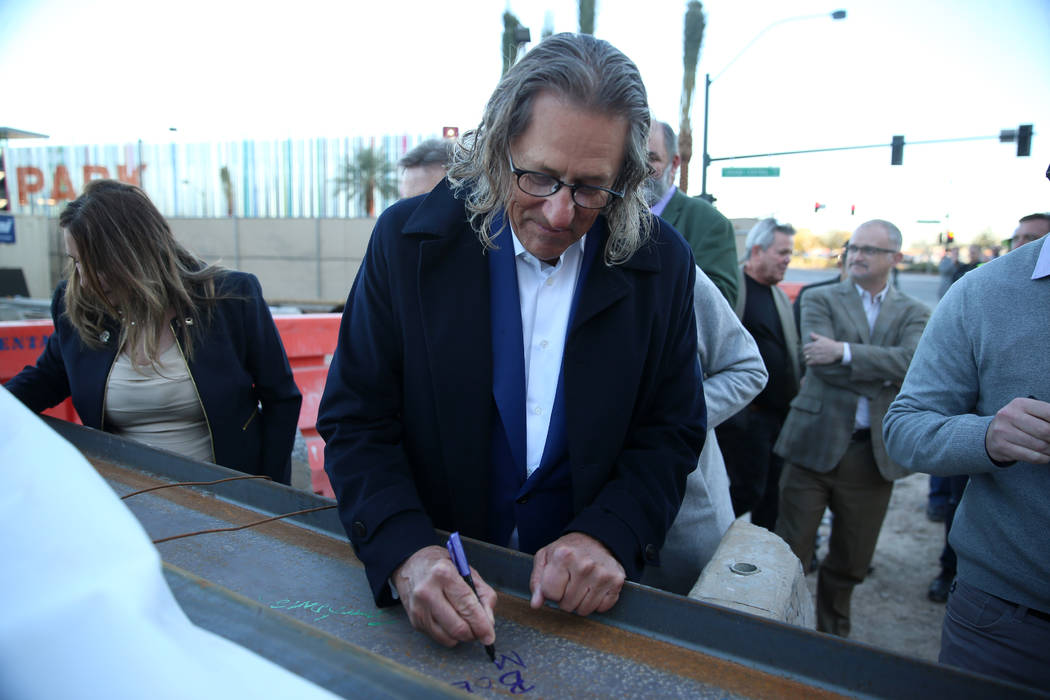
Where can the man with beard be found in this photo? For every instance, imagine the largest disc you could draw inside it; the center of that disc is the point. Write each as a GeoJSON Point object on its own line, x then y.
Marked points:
{"type": "Point", "coordinates": [707, 232]}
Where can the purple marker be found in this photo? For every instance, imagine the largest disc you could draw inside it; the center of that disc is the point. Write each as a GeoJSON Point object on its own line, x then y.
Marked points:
{"type": "Point", "coordinates": [459, 558]}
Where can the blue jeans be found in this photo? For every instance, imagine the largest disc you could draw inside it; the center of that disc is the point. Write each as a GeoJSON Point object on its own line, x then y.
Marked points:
{"type": "Point", "coordinates": [989, 635]}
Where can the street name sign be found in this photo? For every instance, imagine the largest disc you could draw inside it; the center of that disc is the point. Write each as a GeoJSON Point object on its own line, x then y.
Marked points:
{"type": "Point", "coordinates": [750, 172]}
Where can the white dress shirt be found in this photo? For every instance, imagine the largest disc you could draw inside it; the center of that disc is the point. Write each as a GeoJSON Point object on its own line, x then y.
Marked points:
{"type": "Point", "coordinates": [545, 293]}
{"type": "Point", "coordinates": [872, 304]}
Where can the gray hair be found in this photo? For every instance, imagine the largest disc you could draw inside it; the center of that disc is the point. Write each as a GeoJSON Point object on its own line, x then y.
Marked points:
{"type": "Point", "coordinates": [670, 142]}
{"type": "Point", "coordinates": [894, 233]}
{"type": "Point", "coordinates": [590, 73]}
{"type": "Point", "coordinates": [763, 233]}
{"type": "Point", "coordinates": [429, 152]}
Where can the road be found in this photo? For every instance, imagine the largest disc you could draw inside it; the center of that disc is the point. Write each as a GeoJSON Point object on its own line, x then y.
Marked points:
{"type": "Point", "coordinates": [921, 286]}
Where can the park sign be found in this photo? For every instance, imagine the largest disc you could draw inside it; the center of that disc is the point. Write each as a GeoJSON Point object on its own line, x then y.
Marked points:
{"type": "Point", "coordinates": [750, 172]}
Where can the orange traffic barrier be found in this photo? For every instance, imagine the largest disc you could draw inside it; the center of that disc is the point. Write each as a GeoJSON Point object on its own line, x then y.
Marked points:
{"type": "Point", "coordinates": [309, 340]}
{"type": "Point", "coordinates": [21, 342]}
{"type": "Point", "coordinates": [791, 289]}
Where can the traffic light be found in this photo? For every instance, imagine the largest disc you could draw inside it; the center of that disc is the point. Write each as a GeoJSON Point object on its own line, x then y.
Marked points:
{"type": "Point", "coordinates": [852, 209]}
{"type": "Point", "coordinates": [817, 206]}
{"type": "Point", "coordinates": [1024, 140]}
{"type": "Point", "coordinates": [897, 150]}
{"type": "Point", "coordinates": [950, 238]}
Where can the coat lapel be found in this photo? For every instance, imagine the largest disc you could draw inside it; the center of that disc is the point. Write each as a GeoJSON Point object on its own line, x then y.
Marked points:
{"type": "Point", "coordinates": [887, 318]}
{"type": "Point", "coordinates": [454, 305]}
{"type": "Point", "coordinates": [854, 310]}
{"type": "Point", "coordinates": [606, 284]}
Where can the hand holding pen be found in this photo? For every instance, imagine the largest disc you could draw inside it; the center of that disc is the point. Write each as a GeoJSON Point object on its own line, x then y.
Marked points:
{"type": "Point", "coordinates": [459, 558]}
{"type": "Point", "coordinates": [439, 602]}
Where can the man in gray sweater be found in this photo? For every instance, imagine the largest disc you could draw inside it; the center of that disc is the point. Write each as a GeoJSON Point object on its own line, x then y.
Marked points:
{"type": "Point", "coordinates": [975, 401]}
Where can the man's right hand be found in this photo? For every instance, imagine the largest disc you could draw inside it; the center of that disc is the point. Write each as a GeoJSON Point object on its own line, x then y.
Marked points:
{"type": "Point", "coordinates": [1020, 432]}
{"type": "Point", "coordinates": [439, 602]}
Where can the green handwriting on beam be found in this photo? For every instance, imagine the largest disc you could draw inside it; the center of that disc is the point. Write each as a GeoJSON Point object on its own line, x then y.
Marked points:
{"type": "Point", "coordinates": [750, 172]}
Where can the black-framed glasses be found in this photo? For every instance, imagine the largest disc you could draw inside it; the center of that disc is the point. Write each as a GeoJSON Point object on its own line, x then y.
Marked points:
{"type": "Point", "coordinates": [867, 249]}
{"type": "Point", "coordinates": [537, 184]}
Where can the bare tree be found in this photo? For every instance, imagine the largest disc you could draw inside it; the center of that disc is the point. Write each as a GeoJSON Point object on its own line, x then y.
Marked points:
{"type": "Point", "coordinates": [694, 36]}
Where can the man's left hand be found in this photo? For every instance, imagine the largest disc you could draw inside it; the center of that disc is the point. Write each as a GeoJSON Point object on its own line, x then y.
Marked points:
{"type": "Point", "coordinates": [578, 573]}
{"type": "Point", "coordinates": [822, 350]}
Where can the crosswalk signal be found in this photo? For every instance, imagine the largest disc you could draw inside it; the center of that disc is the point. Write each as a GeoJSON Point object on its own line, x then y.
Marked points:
{"type": "Point", "coordinates": [897, 150]}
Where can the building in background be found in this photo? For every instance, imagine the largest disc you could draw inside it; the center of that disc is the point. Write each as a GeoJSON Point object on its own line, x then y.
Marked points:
{"type": "Point", "coordinates": [280, 178]}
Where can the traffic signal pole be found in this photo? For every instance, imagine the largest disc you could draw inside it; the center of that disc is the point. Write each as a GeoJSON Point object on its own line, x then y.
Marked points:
{"type": "Point", "coordinates": [853, 148]}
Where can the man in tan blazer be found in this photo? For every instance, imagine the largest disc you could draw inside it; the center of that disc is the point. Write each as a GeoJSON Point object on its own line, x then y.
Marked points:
{"type": "Point", "coordinates": [860, 335]}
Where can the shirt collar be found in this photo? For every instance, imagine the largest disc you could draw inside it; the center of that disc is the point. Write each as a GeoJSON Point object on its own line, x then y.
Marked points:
{"type": "Point", "coordinates": [576, 249]}
{"type": "Point", "coordinates": [1042, 265]}
{"type": "Point", "coordinates": [659, 207]}
{"type": "Point", "coordinates": [880, 297]}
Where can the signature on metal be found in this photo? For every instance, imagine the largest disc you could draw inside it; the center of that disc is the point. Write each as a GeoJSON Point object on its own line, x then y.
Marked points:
{"type": "Point", "coordinates": [511, 679]}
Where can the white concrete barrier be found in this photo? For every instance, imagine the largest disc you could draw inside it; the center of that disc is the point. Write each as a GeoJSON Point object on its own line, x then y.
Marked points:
{"type": "Point", "coordinates": [755, 571]}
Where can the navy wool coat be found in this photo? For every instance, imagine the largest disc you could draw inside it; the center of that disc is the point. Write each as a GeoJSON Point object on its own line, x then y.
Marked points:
{"type": "Point", "coordinates": [408, 408]}
{"type": "Point", "coordinates": [239, 367]}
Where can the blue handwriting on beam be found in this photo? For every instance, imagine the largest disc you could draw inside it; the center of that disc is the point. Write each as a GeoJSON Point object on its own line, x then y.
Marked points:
{"type": "Point", "coordinates": [511, 680]}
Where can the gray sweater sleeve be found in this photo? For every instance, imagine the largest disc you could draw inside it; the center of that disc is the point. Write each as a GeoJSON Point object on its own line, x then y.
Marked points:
{"type": "Point", "coordinates": [733, 369]}
{"type": "Point", "coordinates": [933, 425]}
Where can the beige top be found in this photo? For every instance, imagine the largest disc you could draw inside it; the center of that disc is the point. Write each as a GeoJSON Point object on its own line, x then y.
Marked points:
{"type": "Point", "coordinates": [160, 409]}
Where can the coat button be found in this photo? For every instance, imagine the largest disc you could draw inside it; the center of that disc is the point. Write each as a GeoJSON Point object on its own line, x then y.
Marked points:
{"type": "Point", "coordinates": [358, 529]}
{"type": "Point", "coordinates": [650, 552]}
{"type": "Point", "coordinates": [522, 501]}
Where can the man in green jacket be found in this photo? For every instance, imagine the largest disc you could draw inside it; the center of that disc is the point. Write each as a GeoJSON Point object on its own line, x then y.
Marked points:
{"type": "Point", "coordinates": [708, 233]}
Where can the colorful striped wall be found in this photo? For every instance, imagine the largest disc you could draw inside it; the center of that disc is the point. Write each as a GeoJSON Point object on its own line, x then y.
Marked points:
{"type": "Point", "coordinates": [274, 178]}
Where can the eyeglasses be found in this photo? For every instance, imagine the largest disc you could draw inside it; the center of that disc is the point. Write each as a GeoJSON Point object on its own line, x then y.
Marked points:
{"type": "Point", "coordinates": [537, 184]}
{"type": "Point", "coordinates": [867, 249]}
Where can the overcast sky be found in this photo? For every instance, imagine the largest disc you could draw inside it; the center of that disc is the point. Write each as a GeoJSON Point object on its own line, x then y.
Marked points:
{"type": "Point", "coordinates": [121, 70]}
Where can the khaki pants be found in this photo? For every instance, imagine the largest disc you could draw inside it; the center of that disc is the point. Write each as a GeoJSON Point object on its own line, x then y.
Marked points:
{"type": "Point", "coordinates": [858, 497]}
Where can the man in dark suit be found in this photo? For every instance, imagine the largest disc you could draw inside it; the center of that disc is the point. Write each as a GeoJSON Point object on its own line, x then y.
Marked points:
{"type": "Point", "coordinates": [861, 334]}
{"type": "Point", "coordinates": [517, 358]}
{"type": "Point", "coordinates": [708, 232]}
{"type": "Point", "coordinates": [747, 437]}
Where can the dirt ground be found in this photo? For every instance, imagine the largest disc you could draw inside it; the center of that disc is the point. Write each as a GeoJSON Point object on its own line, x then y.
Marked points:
{"type": "Point", "coordinates": [890, 609]}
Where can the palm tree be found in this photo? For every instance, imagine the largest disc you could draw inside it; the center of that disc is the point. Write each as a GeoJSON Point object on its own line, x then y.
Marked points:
{"type": "Point", "coordinates": [227, 188]}
{"type": "Point", "coordinates": [370, 170]}
{"type": "Point", "coordinates": [510, 40]}
{"type": "Point", "coordinates": [586, 16]}
{"type": "Point", "coordinates": [694, 35]}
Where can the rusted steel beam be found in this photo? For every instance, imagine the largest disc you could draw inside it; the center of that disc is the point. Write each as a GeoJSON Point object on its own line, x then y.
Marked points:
{"type": "Point", "coordinates": [652, 644]}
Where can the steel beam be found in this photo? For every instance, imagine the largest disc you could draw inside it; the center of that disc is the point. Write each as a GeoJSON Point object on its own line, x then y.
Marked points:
{"type": "Point", "coordinates": [650, 644]}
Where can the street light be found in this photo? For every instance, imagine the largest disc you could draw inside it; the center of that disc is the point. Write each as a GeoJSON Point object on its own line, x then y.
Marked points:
{"type": "Point", "coordinates": [836, 15]}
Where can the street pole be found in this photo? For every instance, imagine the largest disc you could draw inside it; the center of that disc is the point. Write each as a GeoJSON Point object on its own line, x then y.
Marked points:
{"type": "Point", "coordinates": [704, 194]}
